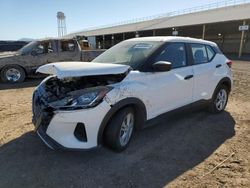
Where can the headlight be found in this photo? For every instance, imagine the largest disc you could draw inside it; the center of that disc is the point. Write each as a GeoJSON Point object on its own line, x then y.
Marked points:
{"type": "Point", "coordinates": [84, 98]}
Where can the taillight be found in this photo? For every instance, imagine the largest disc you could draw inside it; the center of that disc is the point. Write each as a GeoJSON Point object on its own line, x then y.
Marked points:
{"type": "Point", "coordinates": [229, 63]}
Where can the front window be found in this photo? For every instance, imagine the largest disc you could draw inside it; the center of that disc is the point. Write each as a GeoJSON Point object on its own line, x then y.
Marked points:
{"type": "Point", "coordinates": [175, 54]}
{"type": "Point", "coordinates": [28, 48]}
{"type": "Point", "coordinates": [132, 53]}
{"type": "Point", "coordinates": [44, 48]}
{"type": "Point", "coordinates": [39, 47]}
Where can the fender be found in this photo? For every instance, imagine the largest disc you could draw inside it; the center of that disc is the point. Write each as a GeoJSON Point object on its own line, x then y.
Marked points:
{"type": "Point", "coordinates": [140, 110]}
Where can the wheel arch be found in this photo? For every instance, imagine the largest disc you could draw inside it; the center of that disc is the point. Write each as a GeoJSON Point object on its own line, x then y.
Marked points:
{"type": "Point", "coordinates": [225, 81]}
{"type": "Point", "coordinates": [135, 103]}
{"type": "Point", "coordinates": [5, 67]}
{"type": "Point", "coordinates": [24, 69]}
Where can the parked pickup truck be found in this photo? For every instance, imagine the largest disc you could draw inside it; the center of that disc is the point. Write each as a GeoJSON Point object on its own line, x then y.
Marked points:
{"type": "Point", "coordinates": [16, 66]}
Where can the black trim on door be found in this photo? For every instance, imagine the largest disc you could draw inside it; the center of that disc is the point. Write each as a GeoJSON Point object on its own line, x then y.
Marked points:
{"type": "Point", "coordinates": [188, 77]}
{"type": "Point", "coordinates": [218, 66]}
{"type": "Point", "coordinates": [187, 109]}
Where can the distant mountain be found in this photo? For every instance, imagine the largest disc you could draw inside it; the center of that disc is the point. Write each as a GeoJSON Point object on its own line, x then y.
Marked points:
{"type": "Point", "coordinates": [26, 39]}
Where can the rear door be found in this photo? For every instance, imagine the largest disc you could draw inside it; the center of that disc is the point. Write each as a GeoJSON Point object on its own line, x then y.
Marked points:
{"type": "Point", "coordinates": [204, 69]}
{"type": "Point", "coordinates": [68, 50]}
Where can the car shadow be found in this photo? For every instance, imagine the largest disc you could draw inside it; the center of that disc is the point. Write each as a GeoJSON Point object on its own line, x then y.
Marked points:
{"type": "Point", "coordinates": [156, 156]}
{"type": "Point", "coordinates": [29, 82]}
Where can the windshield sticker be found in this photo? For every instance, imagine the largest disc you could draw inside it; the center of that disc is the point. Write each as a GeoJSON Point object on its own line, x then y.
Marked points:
{"type": "Point", "coordinates": [143, 46]}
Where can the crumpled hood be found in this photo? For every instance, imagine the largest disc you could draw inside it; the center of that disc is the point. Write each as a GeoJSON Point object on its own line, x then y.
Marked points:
{"type": "Point", "coordinates": [77, 69]}
{"type": "Point", "coordinates": [8, 54]}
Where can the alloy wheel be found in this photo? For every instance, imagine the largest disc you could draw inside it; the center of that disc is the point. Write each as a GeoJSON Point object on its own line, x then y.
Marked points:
{"type": "Point", "coordinates": [126, 129]}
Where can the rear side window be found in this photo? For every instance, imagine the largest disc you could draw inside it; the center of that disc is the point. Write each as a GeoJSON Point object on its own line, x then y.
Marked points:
{"type": "Point", "coordinates": [173, 53]}
{"type": "Point", "coordinates": [67, 46]}
{"type": "Point", "coordinates": [199, 53]}
{"type": "Point", "coordinates": [210, 53]}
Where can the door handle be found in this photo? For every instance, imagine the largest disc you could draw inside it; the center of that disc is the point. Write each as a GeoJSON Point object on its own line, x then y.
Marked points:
{"type": "Point", "coordinates": [218, 66]}
{"type": "Point", "coordinates": [188, 77]}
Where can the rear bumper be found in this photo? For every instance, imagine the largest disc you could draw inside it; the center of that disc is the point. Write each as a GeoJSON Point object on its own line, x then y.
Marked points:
{"type": "Point", "coordinates": [59, 132]}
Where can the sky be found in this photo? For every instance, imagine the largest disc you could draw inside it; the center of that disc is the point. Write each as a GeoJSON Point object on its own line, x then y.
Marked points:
{"type": "Point", "coordinates": [37, 18]}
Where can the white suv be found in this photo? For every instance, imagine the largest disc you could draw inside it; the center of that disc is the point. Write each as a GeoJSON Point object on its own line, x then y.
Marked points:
{"type": "Point", "coordinates": [85, 104]}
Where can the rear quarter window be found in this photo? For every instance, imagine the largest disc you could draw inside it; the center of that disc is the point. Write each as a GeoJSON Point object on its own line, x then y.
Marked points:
{"type": "Point", "coordinates": [210, 53]}
{"type": "Point", "coordinates": [199, 53]}
{"type": "Point", "coordinates": [202, 53]}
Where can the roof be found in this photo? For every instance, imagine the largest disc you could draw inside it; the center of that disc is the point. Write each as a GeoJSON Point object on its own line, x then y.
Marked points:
{"type": "Point", "coordinates": [230, 13]}
{"type": "Point", "coordinates": [172, 39]}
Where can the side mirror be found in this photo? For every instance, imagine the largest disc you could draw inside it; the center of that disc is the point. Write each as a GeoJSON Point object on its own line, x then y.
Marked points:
{"type": "Point", "coordinates": [162, 66]}
{"type": "Point", "coordinates": [33, 52]}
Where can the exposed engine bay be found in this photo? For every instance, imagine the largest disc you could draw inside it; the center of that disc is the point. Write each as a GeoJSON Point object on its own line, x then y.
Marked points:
{"type": "Point", "coordinates": [57, 89]}
{"type": "Point", "coordinates": [75, 92]}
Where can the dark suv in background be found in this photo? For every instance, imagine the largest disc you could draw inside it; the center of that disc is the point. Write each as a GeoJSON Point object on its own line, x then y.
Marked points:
{"type": "Point", "coordinates": [6, 46]}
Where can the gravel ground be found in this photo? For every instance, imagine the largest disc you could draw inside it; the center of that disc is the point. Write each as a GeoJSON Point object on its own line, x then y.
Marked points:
{"type": "Point", "coordinates": [176, 153]}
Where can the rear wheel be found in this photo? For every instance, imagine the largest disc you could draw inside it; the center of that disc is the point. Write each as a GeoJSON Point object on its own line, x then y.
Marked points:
{"type": "Point", "coordinates": [220, 98]}
{"type": "Point", "coordinates": [12, 74]}
{"type": "Point", "coordinates": [120, 129]}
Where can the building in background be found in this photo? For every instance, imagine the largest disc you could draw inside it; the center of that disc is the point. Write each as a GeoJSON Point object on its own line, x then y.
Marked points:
{"type": "Point", "coordinates": [226, 23]}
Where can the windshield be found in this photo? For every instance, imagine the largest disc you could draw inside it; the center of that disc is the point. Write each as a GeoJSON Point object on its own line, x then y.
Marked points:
{"type": "Point", "coordinates": [132, 53]}
{"type": "Point", "coordinates": [27, 48]}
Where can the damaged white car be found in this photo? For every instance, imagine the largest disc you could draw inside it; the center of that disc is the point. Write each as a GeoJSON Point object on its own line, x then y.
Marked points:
{"type": "Point", "coordinates": [86, 104]}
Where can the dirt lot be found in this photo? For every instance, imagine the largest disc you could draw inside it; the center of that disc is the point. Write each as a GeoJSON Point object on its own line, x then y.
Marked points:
{"type": "Point", "coordinates": [176, 153]}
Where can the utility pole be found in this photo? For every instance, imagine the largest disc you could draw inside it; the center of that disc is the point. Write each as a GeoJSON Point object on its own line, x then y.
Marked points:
{"type": "Point", "coordinates": [204, 31]}
{"type": "Point", "coordinates": [242, 40]}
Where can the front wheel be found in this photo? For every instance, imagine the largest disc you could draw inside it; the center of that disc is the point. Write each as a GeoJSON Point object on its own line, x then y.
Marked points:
{"type": "Point", "coordinates": [220, 98]}
{"type": "Point", "coordinates": [120, 129]}
{"type": "Point", "coordinates": [12, 74]}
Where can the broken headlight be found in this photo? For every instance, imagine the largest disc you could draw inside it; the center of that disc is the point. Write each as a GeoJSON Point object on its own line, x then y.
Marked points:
{"type": "Point", "coordinates": [83, 98]}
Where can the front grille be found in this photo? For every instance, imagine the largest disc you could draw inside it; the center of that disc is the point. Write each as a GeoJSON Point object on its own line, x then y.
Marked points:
{"type": "Point", "coordinates": [42, 115]}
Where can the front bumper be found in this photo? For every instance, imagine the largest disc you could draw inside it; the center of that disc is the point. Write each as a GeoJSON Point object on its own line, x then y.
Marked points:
{"type": "Point", "coordinates": [58, 132]}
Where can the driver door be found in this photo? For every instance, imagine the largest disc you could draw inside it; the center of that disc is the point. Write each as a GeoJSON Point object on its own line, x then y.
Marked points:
{"type": "Point", "coordinates": [172, 89]}
{"type": "Point", "coordinates": [43, 53]}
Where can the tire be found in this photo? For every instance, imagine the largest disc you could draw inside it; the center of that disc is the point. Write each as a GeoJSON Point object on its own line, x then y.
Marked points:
{"type": "Point", "coordinates": [13, 74]}
{"type": "Point", "coordinates": [119, 131]}
{"type": "Point", "coordinates": [220, 96]}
